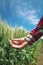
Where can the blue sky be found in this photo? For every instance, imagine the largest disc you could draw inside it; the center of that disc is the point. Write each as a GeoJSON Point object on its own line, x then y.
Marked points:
{"type": "Point", "coordinates": [21, 13]}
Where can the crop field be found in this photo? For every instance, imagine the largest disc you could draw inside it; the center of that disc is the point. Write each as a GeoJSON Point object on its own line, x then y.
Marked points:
{"type": "Point", "coordinates": [11, 56]}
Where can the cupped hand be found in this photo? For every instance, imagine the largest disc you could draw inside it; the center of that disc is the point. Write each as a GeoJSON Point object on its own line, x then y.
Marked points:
{"type": "Point", "coordinates": [18, 43]}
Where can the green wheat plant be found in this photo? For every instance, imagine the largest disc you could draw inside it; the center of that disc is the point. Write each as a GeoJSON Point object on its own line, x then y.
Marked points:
{"type": "Point", "coordinates": [11, 56]}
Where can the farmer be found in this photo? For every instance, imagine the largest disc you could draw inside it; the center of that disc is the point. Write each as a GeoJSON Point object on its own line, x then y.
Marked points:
{"type": "Point", "coordinates": [34, 35]}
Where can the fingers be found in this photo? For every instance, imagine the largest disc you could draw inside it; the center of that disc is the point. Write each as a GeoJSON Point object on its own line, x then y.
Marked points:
{"type": "Point", "coordinates": [15, 46]}
{"type": "Point", "coordinates": [13, 42]}
{"type": "Point", "coordinates": [24, 44]}
{"type": "Point", "coordinates": [19, 46]}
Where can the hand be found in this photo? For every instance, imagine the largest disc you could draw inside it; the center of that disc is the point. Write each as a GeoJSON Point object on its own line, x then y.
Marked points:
{"type": "Point", "coordinates": [18, 43]}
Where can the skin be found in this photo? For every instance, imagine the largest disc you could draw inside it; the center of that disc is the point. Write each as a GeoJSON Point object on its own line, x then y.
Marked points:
{"type": "Point", "coordinates": [19, 46]}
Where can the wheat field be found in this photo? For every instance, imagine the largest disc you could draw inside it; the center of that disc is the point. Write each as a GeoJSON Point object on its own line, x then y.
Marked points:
{"type": "Point", "coordinates": [11, 56]}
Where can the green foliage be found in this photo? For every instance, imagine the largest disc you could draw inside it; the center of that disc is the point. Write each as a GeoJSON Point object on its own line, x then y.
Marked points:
{"type": "Point", "coordinates": [11, 56]}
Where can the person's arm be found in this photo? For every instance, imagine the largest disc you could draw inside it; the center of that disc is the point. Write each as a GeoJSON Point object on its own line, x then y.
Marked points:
{"type": "Point", "coordinates": [36, 33]}
{"type": "Point", "coordinates": [28, 40]}
{"type": "Point", "coordinates": [33, 36]}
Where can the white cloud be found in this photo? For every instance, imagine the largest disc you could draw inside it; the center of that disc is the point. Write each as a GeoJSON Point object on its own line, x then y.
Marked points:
{"type": "Point", "coordinates": [33, 19]}
{"type": "Point", "coordinates": [30, 12]}
{"type": "Point", "coordinates": [21, 13]}
{"type": "Point", "coordinates": [29, 15]}
{"type": "Point", "coordinates": [22, 3]}
{"type": "Point", "coordinates": [21, 27]}
{"type": "Point", "coordinates": [26, 11]}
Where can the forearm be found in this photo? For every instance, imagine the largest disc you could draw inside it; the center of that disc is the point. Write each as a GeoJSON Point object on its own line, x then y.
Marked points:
{"type": "Point", "coordinates": [31, 38]}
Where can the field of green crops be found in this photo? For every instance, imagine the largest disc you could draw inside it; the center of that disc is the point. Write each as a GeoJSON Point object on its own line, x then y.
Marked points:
{"type": "Point", "coordinates": [11, 56]}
